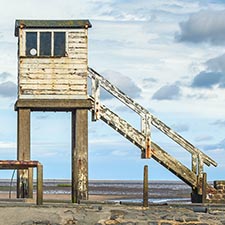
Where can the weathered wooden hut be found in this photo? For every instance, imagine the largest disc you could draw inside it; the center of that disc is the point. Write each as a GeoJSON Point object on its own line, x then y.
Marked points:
{"type": "Point", "coordinates": [53, 59]}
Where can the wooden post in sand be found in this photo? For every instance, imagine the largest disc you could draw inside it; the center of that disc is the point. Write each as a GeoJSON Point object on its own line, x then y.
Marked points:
{"type": "Point", "coordinates": [145, 187]}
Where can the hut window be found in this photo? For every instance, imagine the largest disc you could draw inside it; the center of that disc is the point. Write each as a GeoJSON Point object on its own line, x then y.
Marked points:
{"type": "Point", "coordinates": [31, 43]}
{"type": "Point", "coordinates": [59, 43]}
{"type": "Point", "coordinates": [46, 44]}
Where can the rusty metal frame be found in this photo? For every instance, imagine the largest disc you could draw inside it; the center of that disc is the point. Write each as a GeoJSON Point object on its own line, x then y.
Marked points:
{"type": "Point", "coordinates": [20, 165]}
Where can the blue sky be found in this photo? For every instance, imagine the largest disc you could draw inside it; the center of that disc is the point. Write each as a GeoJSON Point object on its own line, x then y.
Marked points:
{"type": "Point", "coordinates": [168, 55]}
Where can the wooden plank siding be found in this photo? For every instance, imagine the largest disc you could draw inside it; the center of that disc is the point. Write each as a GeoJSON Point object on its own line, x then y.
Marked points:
{"type": "Point", "coordinates": [55, 77]}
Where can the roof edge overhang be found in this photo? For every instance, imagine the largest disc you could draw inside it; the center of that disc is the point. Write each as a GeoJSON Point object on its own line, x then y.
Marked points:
{"type": "Point", "coordinates": [45, 24]}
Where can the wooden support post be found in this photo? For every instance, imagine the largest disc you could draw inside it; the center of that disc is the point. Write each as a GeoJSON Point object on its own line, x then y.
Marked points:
{"type": "Point", "coordinates": [204, 187]}
{"type": "Point", "coordinates": [79, 155]}
{"type": "Point", "coordinates": [145, 187]}
{"type": "Point", "coordinates": [199, 194]}
{"type": "Point", "coordinates": [23, 150]}
{"type": "Point", "coordinates": [39, 184]}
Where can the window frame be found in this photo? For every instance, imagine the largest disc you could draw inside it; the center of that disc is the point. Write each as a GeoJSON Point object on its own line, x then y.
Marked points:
{"type": "Point", "coordinates": [23, 52]}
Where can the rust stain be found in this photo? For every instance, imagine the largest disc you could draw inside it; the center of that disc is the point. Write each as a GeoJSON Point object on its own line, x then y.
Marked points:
{"type": "Point", "coordinates": [4, 164]}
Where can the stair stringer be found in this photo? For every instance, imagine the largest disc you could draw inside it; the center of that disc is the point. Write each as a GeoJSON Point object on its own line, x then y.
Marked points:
{"type": "Point", "coordinates": [138, 139]}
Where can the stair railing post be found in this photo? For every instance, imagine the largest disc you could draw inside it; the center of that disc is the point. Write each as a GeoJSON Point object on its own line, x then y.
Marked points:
{"type": "Point", "coordinates": [204, 187]}
{"type": "Point", "coordinates": [201, 181]}
{"type": "Point", "coordinates": [200, 165]}
{"type": "Point", "coordinates": [146, 130]}
{"type": "Point", "coordinates": [95, 88]}
{"type": "Point", "coordinates": [194, 163]}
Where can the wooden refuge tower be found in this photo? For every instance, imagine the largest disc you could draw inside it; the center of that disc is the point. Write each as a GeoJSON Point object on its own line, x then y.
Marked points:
{"type": "Point", "coordinates": [52, 76]}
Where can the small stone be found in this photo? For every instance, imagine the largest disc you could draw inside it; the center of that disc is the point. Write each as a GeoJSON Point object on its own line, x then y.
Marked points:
{"type": "Point", "coordinates": [70, 222]}
{"type": "Point", "coordinates": [191, 219]}
{"type": "Point", "coordinates": [29, 222]}
{"type": "Point", "coordinates": [167, 217]}
{"type": "Point", "coordinates": [179, 219]}
{"type": "Point", "coordinates": [114, 217]}
{"type": "Point", "coordinates": [45, 222]}
{"type": "Point", "coordinates": [153, 223]}
{"type": "Point", "coordinates": [127, 223]}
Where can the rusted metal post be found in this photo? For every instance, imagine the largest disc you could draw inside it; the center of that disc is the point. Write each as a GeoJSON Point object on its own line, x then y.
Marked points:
{"type": "Point", "coordinates": [39, 184]}
{"type": "Point", "coordinates": [79, 155]}
{"type": "Point", "coordinates": [204, 187]}
{"type": "Point", "coordinates": [145, 187]}
{"type": "Point", "coordinates": [23, 150]}
{"type": "Point", "coordinates": [30, 182]}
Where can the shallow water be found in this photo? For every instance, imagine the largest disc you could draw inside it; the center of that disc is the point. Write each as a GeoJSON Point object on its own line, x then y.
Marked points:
{"type": "Point", "coordinates": [129, 191]}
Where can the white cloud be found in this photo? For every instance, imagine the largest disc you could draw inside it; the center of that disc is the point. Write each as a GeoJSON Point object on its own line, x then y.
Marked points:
{"type": "Point", "coordinates": [7, 145]}
{"type": "Point", "coordinates": [216, 64]}
{"type": "Point", "coordinates": [8, 89]}
{"type": "Point", "coordinates": [167, 92]}
{"type": "Point", "coordinates": [124, 83]}
{"type": "Point", "coordinates": [204, 26]}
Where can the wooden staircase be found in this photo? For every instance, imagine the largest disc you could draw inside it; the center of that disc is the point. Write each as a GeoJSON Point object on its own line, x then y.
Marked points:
{"type": "Point", "coordinates": [194, 177]}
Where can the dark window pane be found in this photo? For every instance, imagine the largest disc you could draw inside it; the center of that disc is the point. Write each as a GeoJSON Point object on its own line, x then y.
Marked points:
{"type": "Point", "coordinates": [59, 44]}
{"type": "Point", "coordinates": [31, 43]}
{"type": "Point", "coordinates": [45, 44]}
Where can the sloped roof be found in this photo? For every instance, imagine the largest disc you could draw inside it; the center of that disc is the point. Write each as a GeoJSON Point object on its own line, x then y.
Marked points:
{"type": "Point", "coordinates": [51, 24]}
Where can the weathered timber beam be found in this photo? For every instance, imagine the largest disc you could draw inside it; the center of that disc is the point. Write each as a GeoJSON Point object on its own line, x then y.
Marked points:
{"type": "Point", "coordinates": [158, 153]}
{"type": "Point", "coordinates": [154, 121]}
{"type": "Point", "coordinates": [174, 166]}
{"type": "Point", "coordinates": [53, 104]}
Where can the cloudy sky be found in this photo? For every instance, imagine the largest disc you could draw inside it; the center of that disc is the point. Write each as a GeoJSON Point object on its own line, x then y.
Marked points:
{"type": "Point", "coordinates": [167, 55]}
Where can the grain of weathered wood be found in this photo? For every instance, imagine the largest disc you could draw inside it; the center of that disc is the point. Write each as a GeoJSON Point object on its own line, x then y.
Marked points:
{"type": "Point", "coordinates": [145, 187]}
{"type": "Point", "coordinates": [23, 149]}
{"type": "Point", "coordinates": [32, 80]}
{"type": "Point", "coordinates": [53, 87]}
{"type": "Point", "coordinates": [33, 61]}
{"type": "Point", "coordinates": [79, 155]}
{"type": "Point", "coordinates": [43, 77]}
{"type": "Point", "coordinates": [49, 66]}
{"type": "Point", "coordinates": [39, 184]}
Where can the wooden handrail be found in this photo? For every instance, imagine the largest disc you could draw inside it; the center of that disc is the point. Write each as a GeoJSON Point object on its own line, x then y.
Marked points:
{"type": "Point", "coordinates": [154, 120]}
